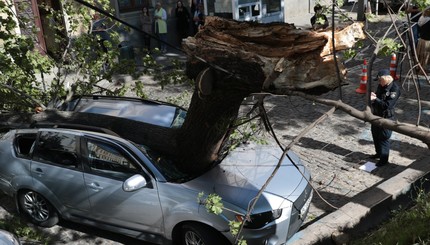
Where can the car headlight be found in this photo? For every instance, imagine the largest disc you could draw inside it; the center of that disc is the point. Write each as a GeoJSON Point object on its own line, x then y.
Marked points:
{"type": "Point", "coordinates": [259, 220]}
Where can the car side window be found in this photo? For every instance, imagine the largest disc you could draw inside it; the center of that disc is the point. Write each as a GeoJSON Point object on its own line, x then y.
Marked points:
{"type": "Point", "coordinates": [109, 161]}
{"type": "Point", "coordinates": [23, 144]}
{"type": "Point", "coordinates": [57, 148]}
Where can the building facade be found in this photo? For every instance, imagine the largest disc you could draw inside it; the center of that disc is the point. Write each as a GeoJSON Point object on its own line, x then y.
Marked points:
{"type": "Point", "coordinates": [262, 11]}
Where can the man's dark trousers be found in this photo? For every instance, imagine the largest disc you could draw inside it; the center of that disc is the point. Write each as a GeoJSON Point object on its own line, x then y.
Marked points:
{"type": "Point", "coordinates": [381, 139]}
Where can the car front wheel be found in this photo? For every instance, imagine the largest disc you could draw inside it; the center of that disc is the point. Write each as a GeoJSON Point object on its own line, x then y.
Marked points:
{"type": "Point", "coordinates": [37, 209]}
{"type": "Point", "coordinates": [201, 235]}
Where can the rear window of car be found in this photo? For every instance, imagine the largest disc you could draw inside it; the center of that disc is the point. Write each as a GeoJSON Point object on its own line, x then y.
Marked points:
{"type": "Point", "coordinates": [151, 112]}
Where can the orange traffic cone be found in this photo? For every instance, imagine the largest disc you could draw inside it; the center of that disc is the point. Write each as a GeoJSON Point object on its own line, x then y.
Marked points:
{"type": "Point", "coordinates": [393, 66]}
{"type": "Point", "coordinates": [362, 89]}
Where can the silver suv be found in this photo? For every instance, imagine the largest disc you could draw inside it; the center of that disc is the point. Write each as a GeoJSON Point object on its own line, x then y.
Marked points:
{"type": "Point", "coordinates": [109, 182]}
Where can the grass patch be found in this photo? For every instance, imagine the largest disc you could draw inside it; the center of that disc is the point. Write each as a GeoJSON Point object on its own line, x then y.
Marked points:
{"type": "Point", "coordinates": [406, 227]}
{"type": "Point", "coordinates": [22, 230]}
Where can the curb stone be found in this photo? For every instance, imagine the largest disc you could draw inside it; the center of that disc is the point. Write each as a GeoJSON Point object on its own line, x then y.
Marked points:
{"type": "Point", "coordinates": [366, 209]}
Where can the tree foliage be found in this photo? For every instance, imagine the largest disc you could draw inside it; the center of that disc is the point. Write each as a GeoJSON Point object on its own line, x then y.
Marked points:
{"type": "Point", "coordinates": [19, 62]}
{"type": "Point", "coordinates": [33, 77]}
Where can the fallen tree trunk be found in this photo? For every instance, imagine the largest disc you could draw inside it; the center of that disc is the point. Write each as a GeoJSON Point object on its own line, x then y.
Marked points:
{"type": "Point", "coordinates": [229, 60]}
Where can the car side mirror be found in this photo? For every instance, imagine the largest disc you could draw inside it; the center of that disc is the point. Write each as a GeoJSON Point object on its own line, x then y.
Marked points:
{"type": "Point", "coordinates": [133, 183]}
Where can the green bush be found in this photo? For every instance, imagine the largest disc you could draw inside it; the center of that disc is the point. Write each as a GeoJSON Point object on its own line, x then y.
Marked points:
{"type": "Point", "coordinates": [406, 227]}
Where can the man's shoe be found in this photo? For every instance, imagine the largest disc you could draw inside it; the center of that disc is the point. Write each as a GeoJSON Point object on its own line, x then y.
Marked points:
{"type": "Point", "coordinates": [380, 163]}
{"type": "Point", "coordinates": [376, 156]}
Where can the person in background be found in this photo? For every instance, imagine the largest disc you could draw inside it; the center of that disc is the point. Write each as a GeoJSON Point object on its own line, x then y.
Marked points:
{"type": "Point", "coordinates": [319, 20]}
{"type": "Point", "coordinates": [199, 18]}
{"type": "Point", "coordinates": [146, 25]}
{"type": "Point", "coordinates": [38, 109]}
{"type": "Point", "coordinates": [383, 102]}
{"type": "Point", "coordinates": [160, 17]}
{"type": "Point", "coordinates": [182, 20]}
{"type": "Point", "coordinates": [423, 48]}
{"type": "Point", "coordinates": [415, 14]}
{"type": "Point", "coordinates": [193, 7]}
{"type": "Point", "coordinates": [99, 30]}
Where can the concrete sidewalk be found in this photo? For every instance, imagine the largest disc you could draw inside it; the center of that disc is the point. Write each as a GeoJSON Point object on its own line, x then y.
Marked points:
{"type": "Point", "coordinates": [367, 209]}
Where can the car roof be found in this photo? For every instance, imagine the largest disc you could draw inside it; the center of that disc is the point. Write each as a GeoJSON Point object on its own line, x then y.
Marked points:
{"type": "Point", "coordinates": [68, 130]}
{"type": "Point", "coordinates": [8, 238]}
{"type": "Point", "coordinates": [143, 110]}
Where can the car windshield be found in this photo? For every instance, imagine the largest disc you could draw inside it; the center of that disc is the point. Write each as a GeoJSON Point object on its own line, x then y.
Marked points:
{"type": "Point", "coordinates": [179, 118]}
{"type": "Point", "coordinates": [166, 166]}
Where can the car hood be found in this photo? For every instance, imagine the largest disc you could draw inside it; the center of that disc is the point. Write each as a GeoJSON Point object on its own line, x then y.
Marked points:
{"type": "Point", "coordinates": [244, 171]}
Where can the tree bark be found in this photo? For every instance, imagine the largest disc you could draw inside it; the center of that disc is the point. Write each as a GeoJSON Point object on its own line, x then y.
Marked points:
{"type": "Point", "coordinates": [210, 115]}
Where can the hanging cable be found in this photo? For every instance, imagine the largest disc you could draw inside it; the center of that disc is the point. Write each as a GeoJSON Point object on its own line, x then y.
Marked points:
{"type": "Point", "coordinates": [295, 140]}
{"type": "Point", "coordinates": [334, 50]}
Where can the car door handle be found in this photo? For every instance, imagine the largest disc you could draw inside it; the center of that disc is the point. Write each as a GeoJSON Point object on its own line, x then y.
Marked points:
{"type": "Point", "coordinates": [38, 171]}
{"type": "Point", "coordinates": [95, 186]}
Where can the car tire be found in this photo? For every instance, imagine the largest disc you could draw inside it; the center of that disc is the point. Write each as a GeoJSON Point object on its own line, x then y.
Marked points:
{"type": "Point", "coordinates": [37, 209]}
{"type": "Point", "coordinates": [193, 234]}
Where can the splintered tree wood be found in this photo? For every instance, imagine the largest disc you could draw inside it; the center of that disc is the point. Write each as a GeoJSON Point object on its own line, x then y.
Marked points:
{"type": "Point", "coordinates": [288, 58]}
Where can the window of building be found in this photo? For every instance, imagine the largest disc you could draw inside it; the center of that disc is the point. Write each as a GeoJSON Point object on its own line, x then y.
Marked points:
{"type": "Point", "coordinates": [243, 12]}
{"type": "Point", "coordinates": [133, 5]}
{"type": "Point", "coordinates": [273, 6]}
{"type": "Point", "coordinates": [255, 9]}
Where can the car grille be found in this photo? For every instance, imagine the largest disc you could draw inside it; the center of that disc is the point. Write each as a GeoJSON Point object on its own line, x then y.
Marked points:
{"type": "Point", "coordinates": [300, 210]}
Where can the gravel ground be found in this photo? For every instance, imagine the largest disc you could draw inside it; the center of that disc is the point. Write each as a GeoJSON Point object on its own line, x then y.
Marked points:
{"type": "Point", "coordinates": [333, 150]}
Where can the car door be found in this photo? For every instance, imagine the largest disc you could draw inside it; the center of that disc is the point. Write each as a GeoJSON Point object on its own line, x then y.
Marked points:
{"type": "Point", "coordinates": [108, 165]}
{"type": "Point", "coordinates": [57, 166]}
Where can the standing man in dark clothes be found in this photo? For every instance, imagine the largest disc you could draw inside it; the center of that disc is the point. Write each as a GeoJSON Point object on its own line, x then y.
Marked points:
{"type": "Point", "coordinates": [423, 48]}
{"type": "Point", "coordinates": [183, 19]}
{"type": "Point", "coordinates": [415, 14]}
{"type": "Point", "coordinates": [319, 19]}
{"type": "Point", "coordinates": [383, 103]}
{"type": "Point", "coordinates": [199, 18]}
